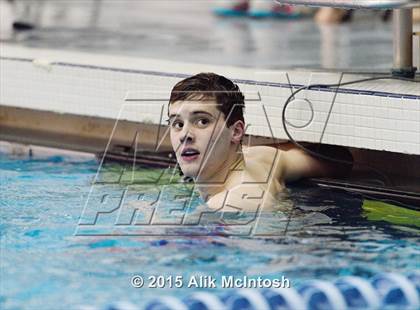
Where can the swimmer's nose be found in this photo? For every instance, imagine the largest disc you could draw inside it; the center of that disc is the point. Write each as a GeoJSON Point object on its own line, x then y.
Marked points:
{"type": "Point", "coordinates": [187, 137]}
{"type": "Point", "coordinates": [187, 134]}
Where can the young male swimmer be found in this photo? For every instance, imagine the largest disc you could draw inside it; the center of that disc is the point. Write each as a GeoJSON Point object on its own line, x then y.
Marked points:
{"type": "Point", "coordinates": [206, 130]}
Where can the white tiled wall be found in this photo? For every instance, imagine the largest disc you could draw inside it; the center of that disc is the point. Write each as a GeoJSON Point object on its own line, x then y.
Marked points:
{"type": "Point", "coordinates": [365, 121]}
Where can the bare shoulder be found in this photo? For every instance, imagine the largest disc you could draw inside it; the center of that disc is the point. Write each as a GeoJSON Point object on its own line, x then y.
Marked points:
{"type": "Point", "coordinates": [266, 154]}
{"type": "Point", "coordinates": [264, 162]}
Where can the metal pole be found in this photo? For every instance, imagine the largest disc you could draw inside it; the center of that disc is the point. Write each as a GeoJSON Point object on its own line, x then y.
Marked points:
{"type": "Point", "coordinates": [403, 43]}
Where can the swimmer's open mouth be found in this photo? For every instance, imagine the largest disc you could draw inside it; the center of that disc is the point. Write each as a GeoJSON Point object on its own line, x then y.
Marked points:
{"type": "Point", "coordinates": [190, 154]}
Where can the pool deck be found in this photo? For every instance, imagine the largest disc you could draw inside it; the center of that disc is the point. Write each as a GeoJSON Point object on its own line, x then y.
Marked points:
{"type": "Point", "coordinates": [187, 31]}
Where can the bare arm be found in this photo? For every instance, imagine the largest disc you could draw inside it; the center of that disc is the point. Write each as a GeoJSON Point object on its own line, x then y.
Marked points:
{"type": "Point", "coordinates": [299, 164]}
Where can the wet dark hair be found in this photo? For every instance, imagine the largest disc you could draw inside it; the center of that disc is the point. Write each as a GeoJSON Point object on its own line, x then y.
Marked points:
{"type": "Point", "coordinates": [204, 86]}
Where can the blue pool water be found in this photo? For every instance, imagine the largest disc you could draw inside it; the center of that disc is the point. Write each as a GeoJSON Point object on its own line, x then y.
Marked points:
{"type": "Point", "coordinates": [46, 265]}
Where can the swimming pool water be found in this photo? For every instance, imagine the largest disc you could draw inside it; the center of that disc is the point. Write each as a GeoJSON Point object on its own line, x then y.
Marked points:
{"type": "Point", "coordinates": [44, 265]}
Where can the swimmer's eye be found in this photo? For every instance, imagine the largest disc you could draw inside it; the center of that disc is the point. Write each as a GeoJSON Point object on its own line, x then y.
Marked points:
{"type": "Point", "coordinates": [177, 124]}
{"type": "Point", "coordinates": [202, 122]}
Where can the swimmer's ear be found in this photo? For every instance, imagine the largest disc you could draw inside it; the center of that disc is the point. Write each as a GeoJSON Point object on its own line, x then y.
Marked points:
{"type": "Point", "coordinates": [238, 131]}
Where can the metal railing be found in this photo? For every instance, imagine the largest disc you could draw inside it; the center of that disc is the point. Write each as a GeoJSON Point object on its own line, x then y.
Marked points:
{"type": "Point", "coordinates": [402, 26]}
{"type": "Point", "coordinates": [357, 4]}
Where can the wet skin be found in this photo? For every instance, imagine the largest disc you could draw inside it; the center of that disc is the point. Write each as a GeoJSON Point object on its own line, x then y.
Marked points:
{"type": "Point", "coordinates": [229, 176]}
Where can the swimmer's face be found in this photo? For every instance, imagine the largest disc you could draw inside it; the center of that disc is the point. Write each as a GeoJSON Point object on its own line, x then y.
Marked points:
{"type": "Point", "coordinates": [200, 138]}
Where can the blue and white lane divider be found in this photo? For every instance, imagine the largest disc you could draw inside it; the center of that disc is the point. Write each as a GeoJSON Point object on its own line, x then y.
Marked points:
{"type": "Point", "coordinates": [383, 291]}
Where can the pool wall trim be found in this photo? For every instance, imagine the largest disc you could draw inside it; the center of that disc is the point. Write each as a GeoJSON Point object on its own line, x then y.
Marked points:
{"type": "Point", "coordinates": [342, 90]}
